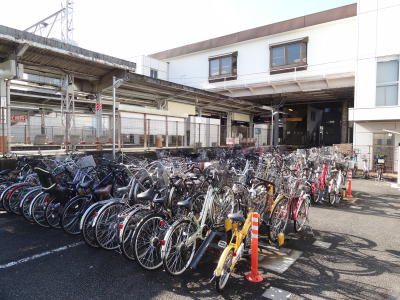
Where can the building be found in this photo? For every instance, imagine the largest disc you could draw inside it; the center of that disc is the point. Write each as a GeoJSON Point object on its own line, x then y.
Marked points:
{"type": "Point", "coordinates": [302, 68]}
{"type": "Point", "coordinates": [376, 112]}
{"type": "Point", "coordinates": [54, 95]}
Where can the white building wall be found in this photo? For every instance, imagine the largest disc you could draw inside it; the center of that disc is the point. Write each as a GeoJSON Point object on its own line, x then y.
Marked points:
{"type": "Point", "coordinates": [377, 41]}
{"type": "Point", "coordinates": [145, 63]}
{"type": "Point", "coordinates": [377, 22]}
{"type": "Point", "coordinates": [331, 50]}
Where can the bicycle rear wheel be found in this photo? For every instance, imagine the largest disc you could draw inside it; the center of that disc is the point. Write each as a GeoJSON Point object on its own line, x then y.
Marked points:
{"type": "Point", "coordinates": [128, 229]}
{"type": "Point", "coordinates": [302, 215]}
{"type": "Point", "coordinates": [279, 218]}
{"type": "Point", "coordinates": [53, 212]}
{"type": "Point", "coordinates": [72, 214]}
{"type": "Point", "coordinates": [107, 226]}
{"type": "Point", "coordinates": [177, 256]}
{"type": "Point", "coordinates": [38, 209]}
{"type": "Point", "coordinates": [147, 241]}
{"type": "Point", "coordinates": [88, 228]}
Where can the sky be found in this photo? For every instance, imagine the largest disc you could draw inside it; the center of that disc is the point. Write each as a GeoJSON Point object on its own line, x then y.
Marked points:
{"type": "Point", "coordinates": [128, 28]}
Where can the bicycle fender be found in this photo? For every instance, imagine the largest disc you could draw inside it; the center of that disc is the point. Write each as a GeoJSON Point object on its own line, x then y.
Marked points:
{"type": "Point", "coordinates": [222, 258]}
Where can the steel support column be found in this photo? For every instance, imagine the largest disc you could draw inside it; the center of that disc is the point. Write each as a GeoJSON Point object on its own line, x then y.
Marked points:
{"type": "Point", "coordinates": [251, 127]}
{"type": "Point", "coordinates": [229, 125]}
{"type": "Point", "coordinates": [8, 115]}
{"type": "Point", "coordinates": [68, 107]}
{"type": "Point", "coordinates": [99, 117]}
{"type": "Point", "coordinates": [344, 122]}
{"type": "Point", "coordinates": [3, 107]}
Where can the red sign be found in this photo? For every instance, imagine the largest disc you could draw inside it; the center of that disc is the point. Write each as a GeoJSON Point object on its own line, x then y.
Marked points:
{"type": "Point", "coordinates": [99, 106]}
{"type": "Point", "coordinates": [18, 118]}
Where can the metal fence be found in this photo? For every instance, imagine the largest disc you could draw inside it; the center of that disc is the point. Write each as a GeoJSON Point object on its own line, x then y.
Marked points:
{"type": "Point", "coordinates": [368, 154]}
{"type": "Point", "coordinates": [156, 131]}
{"type": "Point", "coordinates": [133, 132]}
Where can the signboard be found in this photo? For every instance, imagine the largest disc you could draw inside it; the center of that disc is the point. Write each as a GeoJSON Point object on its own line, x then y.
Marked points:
{"type": "Point", "coordinates": [3, 102]}
{"type": "Point", "coordinates": [232, 141]}
{"type": "Point", "coordinates": [258, 130]}
{"type": "Point", "coordinates": [99, 106]}
{"type": "Point", "coordinates": [18, 118]}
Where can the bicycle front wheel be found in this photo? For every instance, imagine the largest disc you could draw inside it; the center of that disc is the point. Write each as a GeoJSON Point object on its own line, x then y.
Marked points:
{"type": "Point", "coordinates": [221, 281]}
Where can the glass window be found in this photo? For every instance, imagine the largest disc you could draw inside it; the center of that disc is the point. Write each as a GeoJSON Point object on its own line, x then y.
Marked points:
{"type": "Point", "coordinates": [293, 53]}
{"type": "Point", "coordinates": [387, 77]}
{"type": "Point", "coordinates": [387, 71]}
{"type": "Point", "coordinates": [153, 73]}
{"type": "Point", "coordinates": [226, 65]}
{"type": "Point", "coordinates": [214, 67]}
{"type": "Point", "coordinates": [278, 56]}
{"type": "Point", "coordinates": [289, 54]}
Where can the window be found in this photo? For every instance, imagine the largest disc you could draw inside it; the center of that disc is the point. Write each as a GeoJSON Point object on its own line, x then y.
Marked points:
{"type": "Point", "coordinates": [387, 83]}
{"type": "Point", "coordinates": [289, 56]}
{"type": "Point", "coordinates": [153, 73]}
{"type": "Point", "coordinates": [223, 67]}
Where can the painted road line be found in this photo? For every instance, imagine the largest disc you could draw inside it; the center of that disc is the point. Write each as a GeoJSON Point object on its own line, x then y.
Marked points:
{"type": "Point", "coordinates": [279, 261]}
{"type": "Point", "coordinates": [276, 294]}
{"type": "Point", "coordinates": [36, 256]}
{"type": "Point", "coordinates": [322, 244]}
{"type": "Point", "coordinates": [355, 207]}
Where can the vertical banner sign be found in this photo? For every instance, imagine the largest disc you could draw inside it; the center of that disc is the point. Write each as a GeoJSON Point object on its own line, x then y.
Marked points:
{"type": "Point", "coordinates": [99, 106]}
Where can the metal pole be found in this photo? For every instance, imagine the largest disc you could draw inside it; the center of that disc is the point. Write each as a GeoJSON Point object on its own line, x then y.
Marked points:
{"type": "Point", "coordinates": [8, 95]}
{"type": "Point", "coordinates": [398, 166]}
{"type": "Point", "coordinates": [272, 128]}
{"type": "Point", "coordinates": [113, 119]}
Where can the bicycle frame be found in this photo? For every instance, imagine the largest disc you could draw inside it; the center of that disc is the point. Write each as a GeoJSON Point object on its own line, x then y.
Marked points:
{"type": "Point", "coordinates": [236, 243]}
{"type": "Point", "coordinates": [201, 222]}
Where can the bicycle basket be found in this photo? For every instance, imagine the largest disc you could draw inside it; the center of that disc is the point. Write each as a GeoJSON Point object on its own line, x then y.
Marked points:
{"type": "Point", "coordinates": [86, 162]}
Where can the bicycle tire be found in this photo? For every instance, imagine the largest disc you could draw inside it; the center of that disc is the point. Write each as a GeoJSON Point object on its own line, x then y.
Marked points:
{"type": "Point", "coordinates": [150, 230]}
{"type": "Point", "coordinates": [106, 227]}
{"type": "Point", "coordinates": [171, 242]}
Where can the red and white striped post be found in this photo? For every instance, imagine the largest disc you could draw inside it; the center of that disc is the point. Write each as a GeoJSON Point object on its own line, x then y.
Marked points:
{"type": "Point", "coordinates": [349, 183]}
{"type": "Point", "coordinates": [254, 276]}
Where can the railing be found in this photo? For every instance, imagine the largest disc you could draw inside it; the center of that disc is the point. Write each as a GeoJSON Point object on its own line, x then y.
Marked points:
{"type": "Point", "coordinates": [131, 133]}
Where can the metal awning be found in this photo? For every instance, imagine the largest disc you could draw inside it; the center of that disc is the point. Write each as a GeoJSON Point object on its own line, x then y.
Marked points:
{"type": "Point", "coordinates": [142, 90]}
{"type": "Point", "coordinates": [93, 73]}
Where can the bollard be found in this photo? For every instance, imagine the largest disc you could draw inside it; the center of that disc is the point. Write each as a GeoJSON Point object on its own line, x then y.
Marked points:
{"type": "Point", "coordinates": [254, 276]}
{"type": "Point", "coordinates": [349, 183]}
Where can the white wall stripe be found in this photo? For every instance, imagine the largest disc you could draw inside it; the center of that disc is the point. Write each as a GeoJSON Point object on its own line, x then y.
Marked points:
{"type": "Point", "coordinates": [36, 256]}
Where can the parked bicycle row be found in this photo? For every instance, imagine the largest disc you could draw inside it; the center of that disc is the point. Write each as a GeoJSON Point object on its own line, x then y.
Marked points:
{"type": "Point", "coordinates": [167, 212]}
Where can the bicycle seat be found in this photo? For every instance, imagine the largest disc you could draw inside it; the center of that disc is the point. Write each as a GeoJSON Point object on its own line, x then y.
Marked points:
{"type": "Point", "coordinates": [185, 203]}
{"type": "Point", "coordinates": [123, 190]}
{"type": "Point", "coordinates": [85, 184]}
{"type": "Point", "coordinates": [237, 217]}
{"type": "Point", "coordinates": [159, 199]}
{"type": "Point", "coordinates": [5, 172]}
{"type": "Point", "coordinates": [49, 189]}
{"type": "Point", "coordinates": [146, 195]}
{"type": "Point", "coordinates": [103, 191]}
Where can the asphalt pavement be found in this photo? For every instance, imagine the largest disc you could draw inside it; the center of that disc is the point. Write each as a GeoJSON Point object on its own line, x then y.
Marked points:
{"type": "Point", "coordinates": [351, 251]}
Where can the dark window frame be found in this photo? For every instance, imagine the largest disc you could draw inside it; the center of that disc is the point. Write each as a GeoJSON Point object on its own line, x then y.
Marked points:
{"type": "Point", "coordinates": [223, 77]}
{"type": "Point", "coordinates": [152, 72]}
{"type": "Point", "coordinates": [286, 67]}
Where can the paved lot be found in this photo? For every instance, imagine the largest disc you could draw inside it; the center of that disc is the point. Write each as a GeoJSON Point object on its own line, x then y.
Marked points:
{"type": "Point", "coordinates": [359, 258]}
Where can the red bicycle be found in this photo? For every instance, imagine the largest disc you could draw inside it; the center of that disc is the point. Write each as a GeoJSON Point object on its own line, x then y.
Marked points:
{"type": "Point", "coordinates": [294, 204]}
